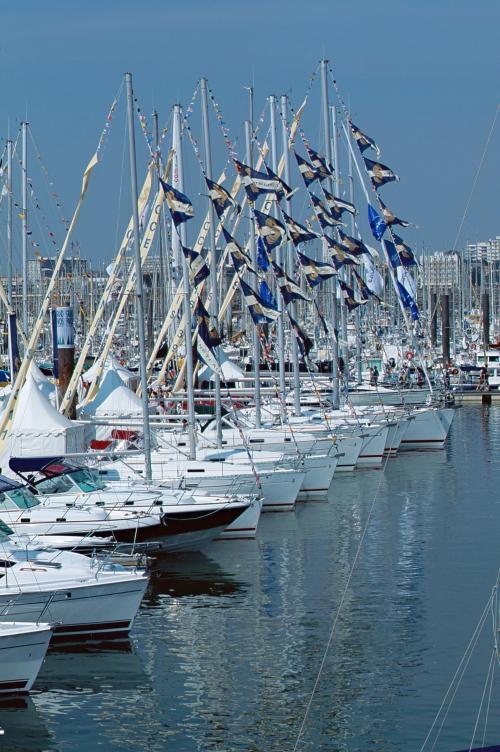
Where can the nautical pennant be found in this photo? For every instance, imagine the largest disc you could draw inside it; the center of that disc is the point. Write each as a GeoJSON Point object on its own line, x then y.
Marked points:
{"type": "Point", "coordinates": [407, 300]}
{"type": "Point", "coordinates": [341, 255]}
{"type": "Point", "coordinates": [377, 224]}
{"type": "Point", "coordinates": [307, 171]}
{"type": "Point", "coordinates": [288, 288]}
{"type": "Point", "coordinates": [365, 291]}
{"type": "Point", "coordinates": [263, 261]}
{"type": "Point", "coordinates": [285, 190]}
{"type": "Point", "coordinates": [304, 342]}
{"type": "Point", "coordinates": [353, 245]}
{"type": "Point", "coordinates": [349, 297]}
{"type": "Point", "coordinates": [379, 173]}
{"type": "Point", "coordinates": [320, 164]}
{"type": "Point", "coordinates": [221, 198]}
{"type": "Point", "coordinates": [256, 183]}
{"type": "Point", "coordinates": [180, 206]}
{"type": "Point", "coordinates": [392, 253]}
{"type": "Point", "coordinates": [390, 218]}
{"type": "Point", "coordinates": [207, 339]}
{"type": "Point", "coordinates": [297, 232]}
{"type": "Point", "coordinates": [315, 271]}
{"type": "Point", "coordinates": [198, 270]}
{"type": "Point", "coordinates": [405, 252]}
{"type": "Point", "coordinates": [363, 141]}
{"type": "Point", "coordinates": [323, 215]}
{"type": "Point", "coordinates": [338, 206]}
{"type": "Point", "coordinates": [259, 311]}
{"type": "Point", "coordinates": [241, 260]}
{"type": "Point", "coordinates": [270, 230]}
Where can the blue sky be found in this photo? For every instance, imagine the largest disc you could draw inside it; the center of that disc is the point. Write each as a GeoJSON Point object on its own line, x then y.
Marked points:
{"type": "Point", "coordinates": [421, 78]}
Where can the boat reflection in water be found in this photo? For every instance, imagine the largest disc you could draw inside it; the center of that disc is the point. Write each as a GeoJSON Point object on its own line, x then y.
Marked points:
{"type": "Point", "coordinates": [24, 727]}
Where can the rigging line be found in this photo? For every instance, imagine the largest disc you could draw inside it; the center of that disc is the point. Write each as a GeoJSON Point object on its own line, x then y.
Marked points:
{"type": "Point", "coordinates": [339, 608]}
{"type": "Point", "coordinates": [476, 176]}
{"type": "Point", "coordinates": [486, 684]}
{"type": "Point", "coordinates": [120, 192]}
{"type": "Point", "coordinates": [487, 712]}
{"type": "Point", "coordinates": [472, 640]}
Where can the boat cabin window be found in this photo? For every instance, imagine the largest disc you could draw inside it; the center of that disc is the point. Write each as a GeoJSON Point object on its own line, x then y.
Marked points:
{"type": "Point", "coordinates": [6, 505]}
{"type": "Point", "coordinates": [87, 480]}
{"type": "Point", "coordinates": [22, 498]}
{"type": "Point", "coordinates": [56, 485]}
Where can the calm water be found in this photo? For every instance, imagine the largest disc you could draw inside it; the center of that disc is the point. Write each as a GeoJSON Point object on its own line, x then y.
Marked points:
{"type": "Point", "coordinates": [227, 644]}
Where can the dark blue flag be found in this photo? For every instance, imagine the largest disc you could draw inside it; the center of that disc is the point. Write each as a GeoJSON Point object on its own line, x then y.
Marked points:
{"type": "Point", "coordinates": [180, 206]}
{"type": "Point", "coordinates": [405, 252]}
{"type": "Point", "coordinates": [377, 224]}
{"type": "Point", "coordinates": [407, 300]}
{"type": "Point", "coordinates": [392, 253]}
{"type": "Point", "coordinates": [262, 256]}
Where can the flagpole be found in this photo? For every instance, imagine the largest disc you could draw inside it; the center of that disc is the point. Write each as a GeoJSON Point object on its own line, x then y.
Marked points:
{"type": "Point", "coordinates": [138, 279]}
{"type": "Point", "coordinates": [328, 154]}
{"type": "Point", "coordinates": [280, 327]}
{"type": "Point", "coordinates": [357, 312]}
{"type": "Point", "coordinates": [253, 251]}
{"type": "Point", "coordinates": [214, 302]}
{"type": "Point", "coordinates": [10, 202]}
{"type": "Point", "coordinates": [290, 255]}
{"type": "Point", "coordinates": [24, 189]}
{"type": "Point", "coordinates": [188, 345]}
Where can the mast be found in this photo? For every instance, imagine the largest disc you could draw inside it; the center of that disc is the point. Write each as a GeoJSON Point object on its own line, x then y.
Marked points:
{"type": "Point", "coordinates": [290, 254]}
{"type": "Point", "coordinates": [188, 344]}
{"type": "Point", "coordinates": [357, 312]}
{"type": "Point", "coordinates": [279, 261]}
{"type": "Point", "coordinates": [161, 282]}
{"type": "Point", "coordinates": [253, 251]}
{"type": "Point", "coordinates": [328, 154]}
{"type": "Point", "coordinates": [10, 202]}
{"type": "Point", "coordinates": [343, 273]}
{"type": "Point", "coordinates": [24, 184]}
{"type": "Point", "coordinates": [214, 302]}
{"type": "Point", "coordinates": [138, 279]}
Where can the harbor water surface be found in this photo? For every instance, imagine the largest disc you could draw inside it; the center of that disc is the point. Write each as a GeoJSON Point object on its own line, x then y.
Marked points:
{"type": "Point", "coordinates": [228, 644]}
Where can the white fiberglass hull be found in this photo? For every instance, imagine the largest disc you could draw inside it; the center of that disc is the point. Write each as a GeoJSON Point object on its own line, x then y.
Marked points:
{"type": "Point", "coordinates": [426, 430]}
{"type": "Point", "coordinates": [246, 524]}
{"type": "Point", "coordinates": [105, 607]}
{"type": "Point", "coordinates": [22, 649]}
{"type": "Point", "coordinates": [319, 472]}
{"type": "Point", "coordinates": [397, 431]}
{"type": "Point", "coordinates": [380, 395]}
{"type": "Point", "coordinates": [372, 451]}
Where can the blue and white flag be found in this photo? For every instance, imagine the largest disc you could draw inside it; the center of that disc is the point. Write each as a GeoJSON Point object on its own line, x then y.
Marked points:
{"type": "Point", "coordinates": [297, 232]}
{"type": "Point", "coordinates": [241, 260]}
{"type": "Point", "coordinates": [338, 206]}
{"type": "Point", "coordinates": [405, 252]}
{"type": "Point", "coordinates": [221, 198]}
{"type": "Point", "coordinates": [320, 164]}
{"type": "Point", "coordinates": [257, 183]}
{"type": "Point", "coordinates": [353, 245]}
{"type": "Point", "coordinates": [392, 253]}
{"type": "Point", "coordinates": [263, 262]}
{"type": "Point", "coordinates": [323, 215]}
{"type": "Point", "coordinates": [373, 278]}
{"type": "Point", "coordinates": [272, 232]}
{"type": "Point", "coordinates": [260, 312]}
{"type": "Point", "coordinates": [408, 300]}
{"type": "Point", "coordinates": [364, 289]}
{"type": "Point", "coordinates": [180, 206]}
{"type": "Point", "coordinates": [390, 218]}
{"type": "Point", "coordinates": [289, 289]}
{"type": "Point", "coordinates": [304, 342]}
{"type": "Point", "coordinates": [207, 339]}
{"type": "Point", "coordinates": [315, 271]}
{"type": "Point", "coordinates": [340, 253]}
{"type": "Point", "coordinates": [348, 296]}
{"type": "Point", "coordinates": [379, 173]}
{"type": "Point", "coordinates": [377, 224]}
{"type": "Point", "coordinates": [363, 141]}
{"type": "Point", "coordinates": [198, 270]}
{"type": "Point", "coordinates": [309, 174]}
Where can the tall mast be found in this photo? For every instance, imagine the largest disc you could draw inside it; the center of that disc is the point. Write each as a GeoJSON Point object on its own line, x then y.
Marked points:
{"type": "Point", "coordinates": [343, 272]}
{"type": "Point", "coordinates": [290, 253]}
{"type": "Point", "coordinates": [24, 184]}
{"type": "Point", "coordinates": [253, 251]}
{"type": "Point", "coordinates": [161, 281]}
{"type": "Point", "coordinates": [138, 279]}
{"type": "Point", "coordinates": [328, 154]}
{"type": "Point", "coordinates": [214, 302]}
{"type": "Point", "coordinates": [177, 180]}
{"type": "Point", "coordinates": [357, 313]}
{"type": "Point", "coordinates": [10, 201]}
{"type": "Point", "coordinates": [281, 331]}
{"type": "Point", "coordinates": [188, 335]}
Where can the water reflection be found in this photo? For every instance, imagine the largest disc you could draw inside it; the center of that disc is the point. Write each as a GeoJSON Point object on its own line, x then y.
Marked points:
{"type": "Point", "coordinates": [24, 727]}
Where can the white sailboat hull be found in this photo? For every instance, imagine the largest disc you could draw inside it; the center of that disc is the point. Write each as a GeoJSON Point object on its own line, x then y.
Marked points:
{"type": "Point", "coordinates": [22, 649]}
